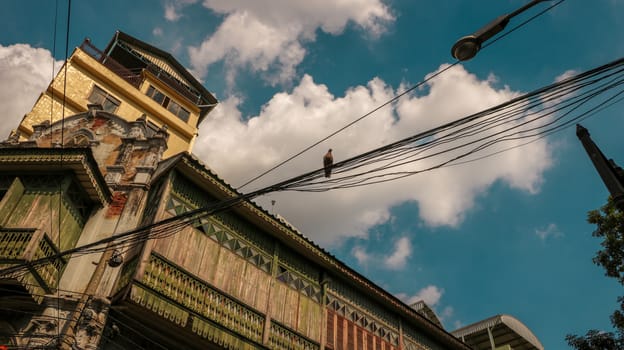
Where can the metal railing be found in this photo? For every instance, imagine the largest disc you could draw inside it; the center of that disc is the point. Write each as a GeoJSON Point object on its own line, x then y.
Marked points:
{"type": "Point", "coordinates": [135, 76]}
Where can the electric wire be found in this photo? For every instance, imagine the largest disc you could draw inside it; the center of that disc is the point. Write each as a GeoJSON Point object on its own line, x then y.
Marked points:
{"type": "Point", "coordinates": [556, 107]}
{"type": "Point", "coordinates": [93, 321]}
{"type": "Point", "coordinates": [579, 101]}
{"type": "Point", "coordinates": [291, 187]}
{"type": "Point", "coordinates": [54, 33]}
{"type": "Point", "coordinates": [522, 24]}
{"type": "Point", "coordinates": [390, 101]}
{"type": "Point", "coordinates": [182, 222]}
{"type": "Point", "coordinates": [396, 98]}
{"type": "Point", "coordinates": [193, 215]}
{"type": "Point", "coordinates": [597, 110]}
{"type": "Point", "coordinates": [64, 102]}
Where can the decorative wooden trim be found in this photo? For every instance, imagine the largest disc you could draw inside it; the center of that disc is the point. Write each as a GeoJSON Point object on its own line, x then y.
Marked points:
{"type": "Point", "coordinates": [63, 159]}
{"type": "Point", "coordinates": [188, 292]}
{"type": "Point", "coordinates": [283, 338]}
{"type": "Point", "coordinates": [296, 240]}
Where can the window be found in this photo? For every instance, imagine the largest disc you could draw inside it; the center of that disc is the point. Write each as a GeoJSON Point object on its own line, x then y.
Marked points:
{"type": "Point", "coordinates": [166, 102]}
{"type": "Point", "coordinates": [178, 110]}
{"type": "Point", "coordinates": [108, 102]}
{"type": "Point", "coordinates": [156, 95]}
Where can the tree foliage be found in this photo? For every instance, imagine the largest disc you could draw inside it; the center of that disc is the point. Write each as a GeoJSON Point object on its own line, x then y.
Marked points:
{"type": "Point", "coordinates": [609, 221]}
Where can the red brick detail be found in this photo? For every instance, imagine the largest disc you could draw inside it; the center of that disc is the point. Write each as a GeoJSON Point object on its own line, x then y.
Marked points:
{"type": "Point", "coordinates": [330, 329]}
{"type": "Point", "coordinates": [97, 122]}
{"type": "Point", "coordinates": [117, 204]}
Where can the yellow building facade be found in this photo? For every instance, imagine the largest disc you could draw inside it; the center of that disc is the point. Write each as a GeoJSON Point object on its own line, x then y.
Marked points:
{"type": "Point", "coordinates": [91, 76]}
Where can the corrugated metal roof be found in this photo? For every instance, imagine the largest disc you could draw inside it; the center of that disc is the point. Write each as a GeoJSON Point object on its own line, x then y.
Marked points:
{"type": "Point", "coordinates": [506, 330]}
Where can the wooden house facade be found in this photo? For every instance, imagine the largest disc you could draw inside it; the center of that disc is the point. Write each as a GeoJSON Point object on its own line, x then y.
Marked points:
{"type": "Point", "coordinates": [100, 247]}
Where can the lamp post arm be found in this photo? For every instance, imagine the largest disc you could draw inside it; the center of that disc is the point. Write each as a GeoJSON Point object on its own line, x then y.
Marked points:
{"type": "Point", "coordinates": [468, 46]}
{"type": "Point", "coordinates": [525, 7]}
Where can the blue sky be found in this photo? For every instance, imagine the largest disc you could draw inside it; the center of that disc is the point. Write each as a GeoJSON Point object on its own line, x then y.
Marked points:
{"type": "Point", "coordinates": [504, 235]}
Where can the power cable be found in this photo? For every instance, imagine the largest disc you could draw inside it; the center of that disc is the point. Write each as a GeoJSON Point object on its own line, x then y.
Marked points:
{"type": "Point", "coordinates": [350, 124]}
{"type": "Point", "coordinates": [394, 99]}
{"type": "Point", "coordinates": [571, 97]}
{"type": "Point", "coordinates": [337, 166]}
{"type": "Point", "coordinates": [168, 227]}
{"type": "Point", "coordinates": [94, 321]}
{"type": "Point", "coordinates": [513, 29]}
{"type": "Point", "coordinates": [568, 95]}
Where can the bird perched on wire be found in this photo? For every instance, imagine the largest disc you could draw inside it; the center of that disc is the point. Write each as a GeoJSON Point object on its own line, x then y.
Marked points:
{"type": "Point", "coordinates": [328, 161]}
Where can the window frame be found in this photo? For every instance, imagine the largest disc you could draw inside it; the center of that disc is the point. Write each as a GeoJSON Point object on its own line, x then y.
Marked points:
{"type": "Point", "coordinates": [168, 103]}
{"type": "Point", "coordinates": [104, 99]}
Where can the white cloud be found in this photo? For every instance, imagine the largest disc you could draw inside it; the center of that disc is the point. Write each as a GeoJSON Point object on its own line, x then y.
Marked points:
{"type": "Point", "coordinates": [267, 36]}
{"type": "Point", "coordinates": [430, 294]}
{"type": "Point", "coordinates": [25, 72]}
{"type": "Point", "coordinates": [549, 231]}
{"type": "Point", "coordinates": [173, 7]}
{"type": "Point", "coordinates": [565, 75]}
{"type": "Point", "coordinates": [402, 251]}
{"type": "Point", "coordinates": [446, 313]}
{"type": "Point", "coordinates": [171, 13]}
{"type": "Point", "coordinates": [394, 261]}
{"type": "Point", "coordinates": [242, 40]}
{"type": "Point", "coordinates": [360, 255]}
{"type": "Point", "coordinates": [291, 121]}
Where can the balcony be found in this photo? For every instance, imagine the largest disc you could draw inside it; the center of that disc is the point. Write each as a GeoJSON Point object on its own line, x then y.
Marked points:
{"type": "Point", "coordinates": [25, 245]}
{"type": "Point", "coordinates": [135, 75]}
{"type": "Point", "coordinates": [170, 292]}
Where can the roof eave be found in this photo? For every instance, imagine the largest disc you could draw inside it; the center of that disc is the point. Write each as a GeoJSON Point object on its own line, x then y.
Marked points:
{"type": "Point", "coordinates": [80, 161]}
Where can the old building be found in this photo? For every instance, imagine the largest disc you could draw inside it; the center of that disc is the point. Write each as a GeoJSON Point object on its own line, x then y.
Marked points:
{"type": "Point", "coordinates": [104, 244]}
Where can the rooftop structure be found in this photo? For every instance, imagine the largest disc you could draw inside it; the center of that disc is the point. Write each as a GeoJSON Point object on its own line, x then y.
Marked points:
{"type": "Point", "coordinates": [500, 332]}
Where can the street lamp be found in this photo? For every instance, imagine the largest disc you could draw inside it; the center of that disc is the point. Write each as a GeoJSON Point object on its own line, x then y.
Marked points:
{"type": "Point", "coordinates": [468, 46]}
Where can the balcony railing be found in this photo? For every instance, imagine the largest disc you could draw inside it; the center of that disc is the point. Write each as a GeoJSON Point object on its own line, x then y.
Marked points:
{"type": "Point", "coordinates": [135, 76]}
{"type": "Point", "coordinates": [177, 295]}
{"type": "Point", "coordinates": [196, 295]}
{"type": "Point", "coordinates": [285, 339]}
{"type": "Point", "coordinates": [25, 245]}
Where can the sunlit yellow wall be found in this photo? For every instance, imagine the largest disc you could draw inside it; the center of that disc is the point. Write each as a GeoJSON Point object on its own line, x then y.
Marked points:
{"type": "Point", "coordinates": [82, 73]}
